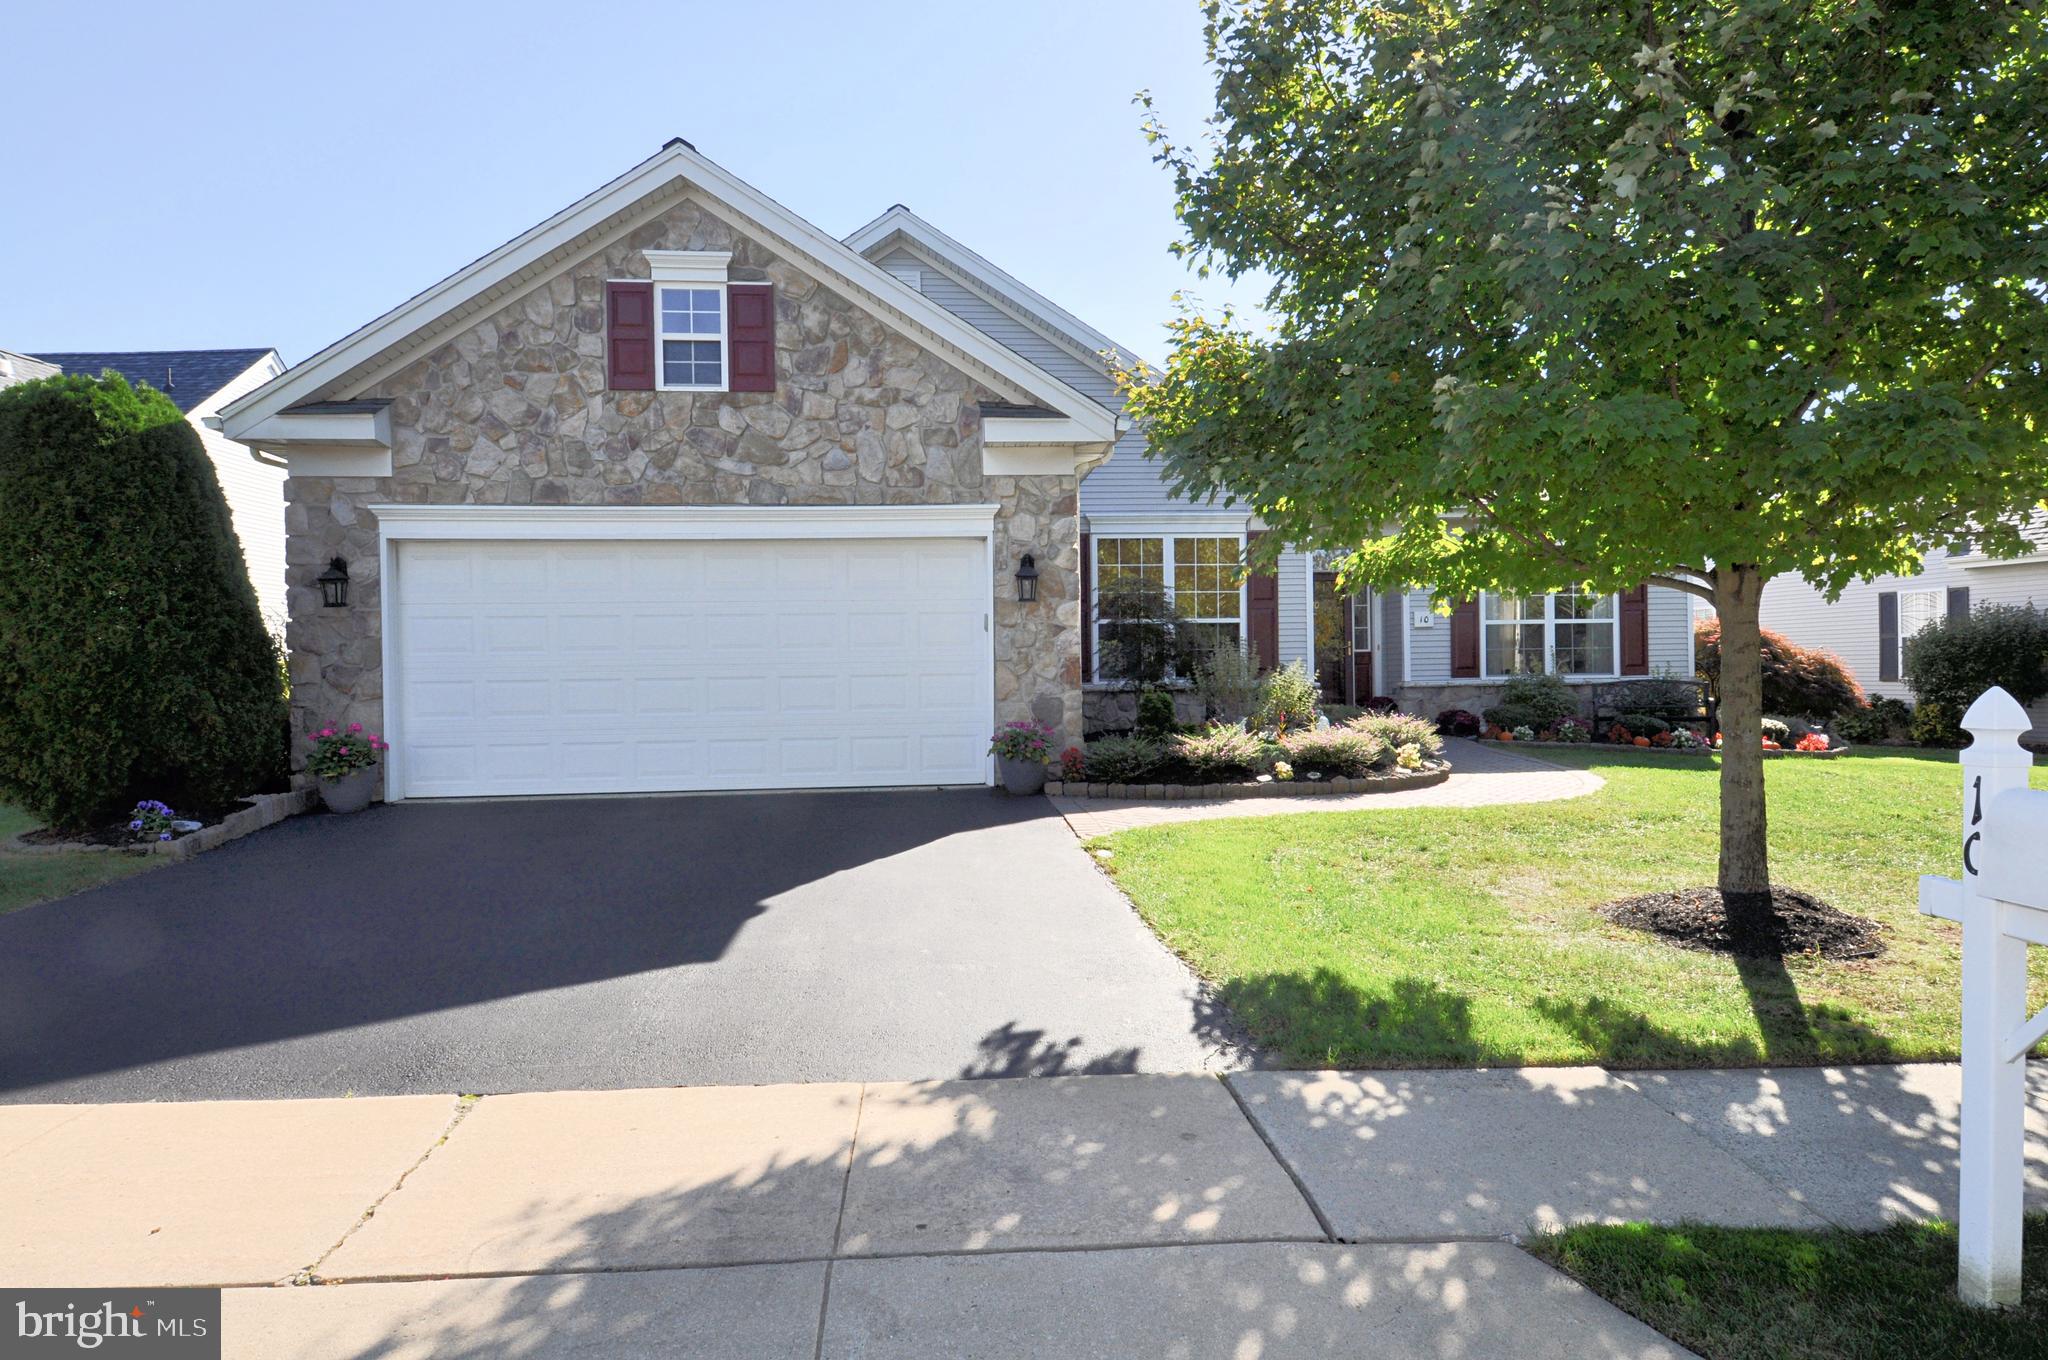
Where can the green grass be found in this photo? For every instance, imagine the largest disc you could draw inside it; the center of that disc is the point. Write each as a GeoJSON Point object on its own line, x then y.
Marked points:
{"type": "Point", "coordinates": [1773, 1294]}
{"type": "Point", "coordinates": [28, 879]}
{"type": "Point", "coordinates": [1459, 937]}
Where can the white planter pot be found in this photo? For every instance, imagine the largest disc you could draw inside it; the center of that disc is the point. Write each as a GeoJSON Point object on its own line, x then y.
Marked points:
{"type": "Point", "coordinates": [351, 792]}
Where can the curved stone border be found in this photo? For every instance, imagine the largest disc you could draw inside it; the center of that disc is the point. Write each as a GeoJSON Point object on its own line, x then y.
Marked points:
{"type": "Point", "coordinates": [267, 809]}
{"type": "Point", "coordinates": [1278, 788]}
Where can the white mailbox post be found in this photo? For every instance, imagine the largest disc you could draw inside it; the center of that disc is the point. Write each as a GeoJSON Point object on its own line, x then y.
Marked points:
{"type": "Point", "coordinates": [2002, 903]}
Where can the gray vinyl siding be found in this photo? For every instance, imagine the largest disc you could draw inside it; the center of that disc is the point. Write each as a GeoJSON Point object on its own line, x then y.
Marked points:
{"type": "Point", "coordinates": [1848, 626]}
{"type": "Point", "coordinates": [1127, 482]}
{"type": "Point", "coordinates": [1429, 645]}
{"type": "Point", "coordinates": [1294, 596]}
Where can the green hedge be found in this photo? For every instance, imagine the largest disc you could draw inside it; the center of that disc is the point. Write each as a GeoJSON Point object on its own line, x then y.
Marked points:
{"type": "Point", "coordinates": [1952, 661]}
{"type": "Point", "coordinates": [133, 658]}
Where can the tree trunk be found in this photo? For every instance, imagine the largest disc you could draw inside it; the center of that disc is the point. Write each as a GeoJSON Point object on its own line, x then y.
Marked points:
{"type": "Point", "coordinates": [1745, 877]}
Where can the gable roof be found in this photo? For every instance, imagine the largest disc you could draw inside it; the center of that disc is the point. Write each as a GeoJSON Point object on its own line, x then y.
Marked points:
{"type": "Point", "coordinates": [345, 368]}
{"type": "Point", "coordinates": [187, 376]}
{"type": "Point", "coordinates": [900, 226]}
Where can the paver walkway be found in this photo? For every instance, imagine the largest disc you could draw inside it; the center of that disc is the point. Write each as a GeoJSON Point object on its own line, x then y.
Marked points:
{"type": "Point", "coordinates": [1267, 1213]}
{"type": "Point", "coordinates": [1480, 775]}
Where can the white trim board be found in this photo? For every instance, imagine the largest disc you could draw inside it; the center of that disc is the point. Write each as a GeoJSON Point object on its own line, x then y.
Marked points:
{"type": "Point", "coordinates": [838, 265]}
{"type": "Point", "coordinates": [616, 522]}
{"type": "Point", "coordinates": [1190, 522]}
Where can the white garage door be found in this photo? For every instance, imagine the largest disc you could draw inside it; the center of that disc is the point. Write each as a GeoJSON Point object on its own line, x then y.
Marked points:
{"type": "Point", "coordinates": [619, 667]}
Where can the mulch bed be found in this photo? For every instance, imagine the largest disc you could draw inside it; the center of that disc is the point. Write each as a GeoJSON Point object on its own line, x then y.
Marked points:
{"type": "Point", "coordinates": [1798, 923]}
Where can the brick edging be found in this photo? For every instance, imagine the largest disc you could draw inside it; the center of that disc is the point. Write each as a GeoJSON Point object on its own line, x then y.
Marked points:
{"type": "Point", "coordinates": [267, 809]}
{"type": "Point", "coordinates": [1290, 788]}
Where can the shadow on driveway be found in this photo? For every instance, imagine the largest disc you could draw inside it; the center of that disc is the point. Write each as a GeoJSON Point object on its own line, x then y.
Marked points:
{"type": "Point", "coordinates": [596, 942]}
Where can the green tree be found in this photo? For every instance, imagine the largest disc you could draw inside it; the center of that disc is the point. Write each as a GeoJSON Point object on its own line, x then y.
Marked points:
{"type": "Point", "coordinates": [1695, 292]}
{"type": "Point", "coordinates": [133, 657]}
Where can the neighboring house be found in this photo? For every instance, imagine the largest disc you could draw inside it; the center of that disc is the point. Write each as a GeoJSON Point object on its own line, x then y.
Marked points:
{"type": "Point", "coordinates": [201, 382]}
{"type": "Point", "coordinates": [1375, 643]}
{"type": "Point", "coordinates": [1868, 626]}
{"type": "Point", "coordinates": [21, 368]}
{"type": "Point", "coordinates": [676, 491]}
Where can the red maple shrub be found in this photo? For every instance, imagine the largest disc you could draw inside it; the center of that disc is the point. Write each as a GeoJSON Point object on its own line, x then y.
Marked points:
{"type": "Point", "coordinates": [1799, 682]}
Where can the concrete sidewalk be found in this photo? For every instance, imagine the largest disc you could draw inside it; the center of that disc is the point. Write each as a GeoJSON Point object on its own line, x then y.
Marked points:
{"type": "Point", "coordinates": [1270, 1213]}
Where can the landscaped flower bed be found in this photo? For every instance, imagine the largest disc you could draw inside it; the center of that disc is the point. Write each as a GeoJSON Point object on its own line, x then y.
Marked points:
{"type": "Point", "coordinates": [177, 838]}
{"type": "Point", "coordinates": [1388, 782]}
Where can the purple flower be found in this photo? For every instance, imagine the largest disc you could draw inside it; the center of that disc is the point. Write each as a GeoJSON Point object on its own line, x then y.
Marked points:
{"type": "Point", "coordinates": [135, 825]}
{"type": "Point", "coordinates": [164, 836]}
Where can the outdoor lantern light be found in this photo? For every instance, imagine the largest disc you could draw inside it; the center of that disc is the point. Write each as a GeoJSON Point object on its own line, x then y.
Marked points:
{"type": "Point", "coordinates": [334, 585]}
{"type": "Point", "coordinates": [1027, 578]}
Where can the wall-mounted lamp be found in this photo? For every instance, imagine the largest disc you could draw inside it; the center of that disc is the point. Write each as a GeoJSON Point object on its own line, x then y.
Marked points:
{"type": "Point", "coordinates": [334, 585]}
{"type": "Point", "coordinates": [1027, 579]}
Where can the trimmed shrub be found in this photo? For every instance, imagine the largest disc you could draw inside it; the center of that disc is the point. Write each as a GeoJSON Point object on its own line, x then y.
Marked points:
{"type": "Point", "coordinates": [1458, 722]}
{"type": "Point", "coordinates": [1507, 717]}
{"type": "Point", "coordinates": [133, 658]}
{"type": "Point", "coordinates": [1155, 714]}
{"type": "Point", "coordinates": [1643, 724]}
{"type": "Point", "coordinates": [1952, 661]}
{"type": "Point", "coordinates": [1123, 760]}
{"type": "Point", "coordinates": [1343, 751]}
{"type": "Point", "coordinates": [1800, 680]}
{"type": "Point", "coordinates": [1936, 724]}
{"type": "Point", "coordinates": [1671, 700]}
{"type": "Point", "coordinates": [1220, 751]}
{"type": "Point", "coordinates": [1878, 720]}
{"type": "Point", "coordinates": [1287, 699]}
{"type": "Point", "coordinates": [1540, 700]}
{"type": "Point", "coordinates": [1396, 730]}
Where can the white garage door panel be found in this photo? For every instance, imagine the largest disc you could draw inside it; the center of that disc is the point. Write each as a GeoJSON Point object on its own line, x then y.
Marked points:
{"type": "Point", "coordinates": [655, 666]}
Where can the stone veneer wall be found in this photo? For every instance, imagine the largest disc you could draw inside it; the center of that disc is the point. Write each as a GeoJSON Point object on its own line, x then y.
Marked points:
{"type": "Point", "coordinates": [514, 410]}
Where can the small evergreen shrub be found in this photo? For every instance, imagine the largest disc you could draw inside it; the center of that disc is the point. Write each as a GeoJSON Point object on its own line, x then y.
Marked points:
{"type": "Point", "coordinates": [1400, 729]}
{"type": "Point", "coordinates": [1936, 724]}
{"type": "Point", "coordinates": [1332, 751]}
{"type": "Point", "coordinates": [1219, 752]}
{"type": "Point", "coordinates": [1123, 760]}
{"type": "Point", "coordinates": [1952, 661]}
{"type": "Point", "coordinates": [1542, 699]}
{"type": "Point", "coordinates": [1507, 717]}
{"type": "Point", "coordinates": [1671, 700]}
{"type": "Point", "coordinates": [1155, 714]}
{"type": "Point", "coordinates": [1644, 724]}
{"type": "Point", "coordinates": [1877, 721]}
{"type": "Point", "coordinates": [1287, 699]}
{"type": "Point", "coordinates": [1801, 680]}
{"type": "Point", "coordinates": [133, 657]}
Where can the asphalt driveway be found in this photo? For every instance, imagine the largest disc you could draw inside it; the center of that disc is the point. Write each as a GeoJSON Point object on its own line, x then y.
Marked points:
{"type": "Point", "coordinates": [605, 942]}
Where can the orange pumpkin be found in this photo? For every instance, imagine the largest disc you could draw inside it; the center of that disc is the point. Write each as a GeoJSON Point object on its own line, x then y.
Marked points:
{"type": "Point", "coordinates": [1642, 741]}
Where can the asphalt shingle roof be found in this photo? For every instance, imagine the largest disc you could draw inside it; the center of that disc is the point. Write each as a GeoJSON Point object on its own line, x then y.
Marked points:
{"type": "Point", "coordinates": [186, 376]}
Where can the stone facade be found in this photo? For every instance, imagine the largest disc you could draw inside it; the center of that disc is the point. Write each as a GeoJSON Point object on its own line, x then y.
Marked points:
{"type": "Point", "coordinates": [514, 410]}
{"type": "Point", "coordinates": [1106, 708]}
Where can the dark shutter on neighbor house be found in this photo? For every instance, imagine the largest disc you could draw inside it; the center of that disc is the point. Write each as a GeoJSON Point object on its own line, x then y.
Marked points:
{"type": "Point", "coordinates": [750, 339]}
{"type": "Point", "coordinates": [1262, 599]}
{"type": "Point", "coordinates": [1888, 635]}
{"type": "Point", "coordinates": [629, 336]}
{"type": "Point", "coordinates": [1465, 641]}
{"type": "Point", "coordinates": [1959, 602]}
{"type": "Point", "coordinates": [1087, 611]}
{"type": "Point", "coordinates": [1635, 631]}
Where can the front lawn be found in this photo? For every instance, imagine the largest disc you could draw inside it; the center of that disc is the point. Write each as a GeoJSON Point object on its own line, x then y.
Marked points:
{"type": "Point", "coordinates": [1770, 1294]}
{"type": "Point", "coordinates": [1458, 937]}
{"type": "Point", "coordinates": [26, 879]}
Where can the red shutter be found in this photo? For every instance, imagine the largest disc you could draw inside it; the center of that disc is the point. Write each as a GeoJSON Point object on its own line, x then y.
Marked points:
{"type": "Point", "coordinates": [1087, 612]}
{"type": "Point", "coordinates": [1465, 641]}
{"type": "Point", "coordinates": [1262, 600]}
{"type": "Point", "coordinates": [629, 336]}
{"type": "Point", "coordinates": [1635, 631]}
{"type": "Point", "coordinates": [750, 339]}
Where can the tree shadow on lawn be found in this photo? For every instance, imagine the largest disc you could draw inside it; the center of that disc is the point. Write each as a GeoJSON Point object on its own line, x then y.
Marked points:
{"type": "Point", "coordinates": [1320, 1017]}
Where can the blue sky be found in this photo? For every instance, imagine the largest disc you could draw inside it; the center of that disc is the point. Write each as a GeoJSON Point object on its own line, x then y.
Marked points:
{"type": "Point", "coordinates": [197, 175]}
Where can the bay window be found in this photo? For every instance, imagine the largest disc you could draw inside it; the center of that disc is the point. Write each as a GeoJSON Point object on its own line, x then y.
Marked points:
{"type": "Point", "coordinates": [1569, 633]}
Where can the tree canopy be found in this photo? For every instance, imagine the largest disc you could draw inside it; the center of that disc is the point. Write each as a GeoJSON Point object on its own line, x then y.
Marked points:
{"type": "Point", "coordinates": [1585, 292]}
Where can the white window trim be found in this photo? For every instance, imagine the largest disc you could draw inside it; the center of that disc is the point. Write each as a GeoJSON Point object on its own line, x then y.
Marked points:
{"type": "Point", "coordinates": [1550, 623]}
{"type": "Point", "coordinates": [723, 338]}
{"type": "Point", "coordinates": [1166, 561]}
{"type": "Point", "coordinates": [688, 266]}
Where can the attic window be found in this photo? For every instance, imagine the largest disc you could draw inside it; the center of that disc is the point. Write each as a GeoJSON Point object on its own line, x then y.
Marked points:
{"type": "Point", "coordinates": [690, 318]}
